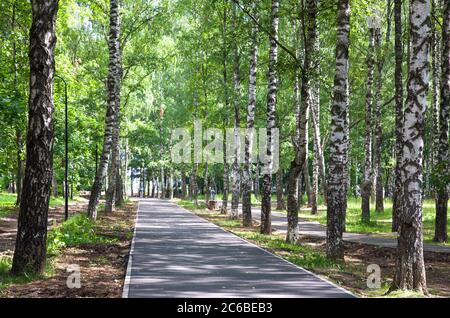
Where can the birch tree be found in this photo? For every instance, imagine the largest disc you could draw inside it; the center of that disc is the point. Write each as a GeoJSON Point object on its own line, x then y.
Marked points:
{"type": "Point", "coordinates": [396, 204]}
{"type": "Point", "coordinates": [247, 180]}
{"type": "Point", "coordinates": [366, 187]}
{"type": "Point", "coordinates": [113, 83]}
{"type": "Point", "coordinates": [114, 171]}
{"type": "Point", "coordinates": [298, 164]}
{"type": "Point", "coordinates": [377, 115]}
{"type": "Point", "coordinates": [338, 144]}
{"type": "Point", "coordinates": [410, 268]}
{"type": "Point", "coordinates": [30, 249]}
{"type": "Point", "coordinates": [235, 168]}
{"type": "Point", "coordinates": [266, 218]}
{"type": "Point", "coordinates": [440, 234]}
{"type": "Point", "coordinates": [224, 207]}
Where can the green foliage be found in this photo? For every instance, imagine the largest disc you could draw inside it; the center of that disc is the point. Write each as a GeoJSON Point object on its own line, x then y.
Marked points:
{"type": "Point", "coordinates": [78, 230]}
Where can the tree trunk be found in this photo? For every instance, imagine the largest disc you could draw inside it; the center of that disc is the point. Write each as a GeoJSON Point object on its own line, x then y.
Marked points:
{"type": "Point", "coordinates": [193, 184]}
{"type": "Point", "coordinates": [440, 234]}
{"type": "Point", "coordinates": [224, 207]}
{"type": "Point", "coordinates": [266, 218]}
{"type": "Point", "coordinates": [379, 206]}
{"type": "Point", "coordinates": [410, 269]}
{"type": "Point", "coordinates": [19, 137]}
{"type": "Point", "coordinates": [114, 77]}
{"type": "Point", "coordinates": [206, 183]}
{"type": "Point", "coordinates": [114, 178]}
{"type": "Point", "coordinates": [366, 187]}
{"type": "Point", "coordinates": [235, 168]}
{"type": "Point", "coordinates": [315, 106]}
{"type": "Point", "coordinates": [170, 179]}
{"type": "Point", "coordinates": [301, 144]}
{"type": "Point", "coordinates": [163, 186]}
{"type": "Point", "coordinates": [247, 180]}
{"type": "Point", "coordinates": [435, 49]}
{"type": "Point", "coordinates": [396, 205]}
{"type": "Point", "coordinates": [55, 185]}
{"type": "Point", "coordinates": [183, 185]}
{"type": "Point", "coordinates": [308, 189]}
{"type": "Point", "coordinates": [338, 144]}
{"type": "Point", "coordinates": [279, 189]}
{"type": "Point", "coordinates": [30, 249]}
{"type": "Point", "coordinates": [120, 185]}
{"type": "Point", "coordinates": [19, 175]}
{"type": "Point", "coordinates": [318, 146]}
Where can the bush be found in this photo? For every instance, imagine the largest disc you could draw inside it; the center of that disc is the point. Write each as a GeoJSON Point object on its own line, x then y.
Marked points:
{"type": "Point", "coordinates": [78, 230]}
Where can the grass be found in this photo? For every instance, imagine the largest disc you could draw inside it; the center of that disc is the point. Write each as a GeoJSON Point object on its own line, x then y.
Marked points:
{"type": "Point", "coordinates": [76, 231]}
{"type": "Point", "coordinates": [8, 201]}
{"type": "Point", "coordinates": [300, 255]}
{"type": "Point", "coordinates": [7, 279]}
{"type": "Point", "coordinates": [380, 223]}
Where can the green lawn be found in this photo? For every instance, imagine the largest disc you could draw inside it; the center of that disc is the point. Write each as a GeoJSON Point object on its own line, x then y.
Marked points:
{"type": "Point", "coordinates": [380, 222]}
{"type": "Point", "coordinates": [7, 201]}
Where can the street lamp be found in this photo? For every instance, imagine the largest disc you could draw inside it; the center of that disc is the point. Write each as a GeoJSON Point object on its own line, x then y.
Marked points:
{"type": "Point", "coordinates": [66, 168]}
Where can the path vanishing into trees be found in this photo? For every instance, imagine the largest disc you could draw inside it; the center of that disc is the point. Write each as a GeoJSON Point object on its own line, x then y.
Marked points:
{"type": "Point", "coordinates": [178, 254]}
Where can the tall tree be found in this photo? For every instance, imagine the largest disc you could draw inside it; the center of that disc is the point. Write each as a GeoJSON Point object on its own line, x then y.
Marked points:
{"type": "Point", "coordinates": [235, 168]}
{"type": "Point", "coordinates": [410, 268]}
{"type": "Point", "coordinates": [227, 103]}
{"type": "Point", "coordinates": [247, 180]}
{"type": "Point", "coordinates": [301, 144]}
{"type": "Point", "coordinates": [113, 81]}
{"type": "Point", "coordinates": [317, 164]}
{"type": "Point", "coordinates": [435, 51]}
{"type": "Point", "coordinates": [266, 208]}
{"type": "Point", "coordinates": [443, 158]}
{"type": "Point", "coordinates": [396, 205]}
{"type": "Point", "coordinates": [30, 250]}
{"type": "Point", "coordinates": [338, 144]}
{"type": "Point", "coordinates": [366, 187]}
{"type": "Point", "coordinates": [379, 197]}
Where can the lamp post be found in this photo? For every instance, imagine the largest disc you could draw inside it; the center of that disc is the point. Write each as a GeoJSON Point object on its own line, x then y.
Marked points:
{"type": "Point", "coordinates": [66, 141]}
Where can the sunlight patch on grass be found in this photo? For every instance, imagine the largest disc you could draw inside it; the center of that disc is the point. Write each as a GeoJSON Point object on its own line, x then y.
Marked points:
{"type": "Point", "coordinates": [380, 222]}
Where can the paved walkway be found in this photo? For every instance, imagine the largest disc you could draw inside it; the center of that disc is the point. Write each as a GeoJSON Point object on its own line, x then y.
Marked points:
{"type": "Point", "coordinates": [178, 254]}
{"type": "Point", "coordinates": [279, 222]}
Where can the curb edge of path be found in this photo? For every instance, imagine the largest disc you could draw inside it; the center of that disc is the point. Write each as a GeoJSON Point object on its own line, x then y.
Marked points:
{"type": "Point", "coordinates": [267, 252]}
{"type": "Point", "coordinates": [127, 280]}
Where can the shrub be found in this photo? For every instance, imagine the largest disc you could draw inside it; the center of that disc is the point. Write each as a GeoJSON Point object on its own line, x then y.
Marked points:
{"type": "Point", "coordinates": [78, 230]}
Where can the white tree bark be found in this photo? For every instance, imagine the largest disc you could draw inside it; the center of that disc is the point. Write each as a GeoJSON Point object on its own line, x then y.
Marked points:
{"type": "Point", "coordinates": [338, 145]}
{"type": "Point", "coordinates": [410, 269]}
